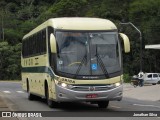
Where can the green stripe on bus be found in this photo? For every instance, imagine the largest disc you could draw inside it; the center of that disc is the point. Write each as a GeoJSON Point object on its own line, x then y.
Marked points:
{"type": "Point", "coordinates": [40, 69]}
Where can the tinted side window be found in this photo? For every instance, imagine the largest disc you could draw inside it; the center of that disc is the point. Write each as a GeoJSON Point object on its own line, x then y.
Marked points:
{"type": "Point", "coordinates": [155, 75]}
{"type": "Point", "coordinates": [35, 44]}
{"type": "Point", "coordinates": [149, 76]}
{"type": "Point", "coordinates": [43, 42]}
{"type": "Point", "coordinates": [23, 48]}
{"type": "Point", "coordinates": [38, 44]}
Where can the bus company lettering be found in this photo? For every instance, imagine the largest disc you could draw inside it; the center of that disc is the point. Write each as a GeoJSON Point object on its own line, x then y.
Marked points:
{"type": "Point", "coordinates": [66, 80]}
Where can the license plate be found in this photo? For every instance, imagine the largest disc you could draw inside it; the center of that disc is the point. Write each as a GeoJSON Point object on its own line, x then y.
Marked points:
{"type": "Point", "coordinates": [91, 96]}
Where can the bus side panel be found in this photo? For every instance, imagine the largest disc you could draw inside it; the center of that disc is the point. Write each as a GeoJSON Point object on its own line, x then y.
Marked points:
{"type": "Point", "coordinates": [24, 81]}
{"type": "Point", "coordinates": [34, 70]}
{"type": "Point", "coordinates": [37, 84]}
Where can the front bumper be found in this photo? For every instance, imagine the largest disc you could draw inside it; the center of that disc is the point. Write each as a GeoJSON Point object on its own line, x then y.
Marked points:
{"type": "Point", "coordinates": [68, 95]}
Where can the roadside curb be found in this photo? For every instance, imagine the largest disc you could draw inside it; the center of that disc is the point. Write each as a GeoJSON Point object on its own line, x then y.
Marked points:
{"type": "Point", "coordinates": [4, 101]}
{"type": "Point", "coordinates": [7, 106]}
{"type": "Point", "coordinates": [3, 104]}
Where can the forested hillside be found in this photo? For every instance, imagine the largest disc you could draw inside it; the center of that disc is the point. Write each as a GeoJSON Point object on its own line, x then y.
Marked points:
{"type": "Point", "coordinates": [17, 17]}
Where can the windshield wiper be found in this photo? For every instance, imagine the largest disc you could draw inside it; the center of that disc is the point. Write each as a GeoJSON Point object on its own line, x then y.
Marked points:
{"type": "Point", "coordinates": [79, 67]}
{"type": "Point", "coordinates": [102, 64]}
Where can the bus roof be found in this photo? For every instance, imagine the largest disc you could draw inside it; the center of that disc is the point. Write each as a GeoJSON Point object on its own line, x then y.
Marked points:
{"type": "Point", "coordinates": [75, 23]}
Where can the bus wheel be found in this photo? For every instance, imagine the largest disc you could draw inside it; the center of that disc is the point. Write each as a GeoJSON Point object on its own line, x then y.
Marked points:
{"type": "Point", "coordinates": [103, 104]}
{"type": "Point", "coordinates": [50, 103]}
{"type": "Point", "coordinates": [27, 86]}
{"type": "Point", "coordinates": [30, 96]}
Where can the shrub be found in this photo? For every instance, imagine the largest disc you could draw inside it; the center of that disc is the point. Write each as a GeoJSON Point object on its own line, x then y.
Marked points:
{"type": "Point", "coordinates": [126, 78]}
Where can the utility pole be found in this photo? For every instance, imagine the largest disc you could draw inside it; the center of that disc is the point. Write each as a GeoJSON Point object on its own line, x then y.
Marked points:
{"type": "Point", "coordinates": [140, 37]}
{"type": "Point", "coordinates": [2, 24]}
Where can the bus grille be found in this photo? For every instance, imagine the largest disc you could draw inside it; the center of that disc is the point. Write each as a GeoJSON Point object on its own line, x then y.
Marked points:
{"type": "Point", "coordinates": [92, 88]}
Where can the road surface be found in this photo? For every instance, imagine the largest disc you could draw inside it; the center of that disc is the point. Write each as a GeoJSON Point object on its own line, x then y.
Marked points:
{"type": "Point", "coordinates": [17, 100]}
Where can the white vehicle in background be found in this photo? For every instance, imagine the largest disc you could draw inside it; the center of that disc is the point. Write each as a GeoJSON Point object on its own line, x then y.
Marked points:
{"type": "Point", "coordinates": [151, 78]}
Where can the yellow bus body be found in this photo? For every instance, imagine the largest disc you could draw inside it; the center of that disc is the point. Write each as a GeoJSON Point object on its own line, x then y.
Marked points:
{"type": "Point", "coordinates": [37, 71]}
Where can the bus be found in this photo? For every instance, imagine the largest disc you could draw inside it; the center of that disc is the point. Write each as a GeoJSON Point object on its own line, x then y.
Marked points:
{"type": "Point", "coordinates": [74, 59]}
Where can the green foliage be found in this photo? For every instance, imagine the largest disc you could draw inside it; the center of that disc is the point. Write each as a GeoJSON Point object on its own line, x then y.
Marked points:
{"type": "Point", "coordinates": [9, 61]}
{"type": "Point", "coordinates": [27, 26]}
{"type": "Point", "coordinates": [12, 7]}
{"type": "Point", "coordinates": [146, 15]}
{"type": "Point", "coordinates": [67, 8]}
{"type": "Point", "coordinates": [13, 36]}
{"type": "Point", "coordinates": [126, 78]}
{"type": "Point", "coordinates": [21, 16]}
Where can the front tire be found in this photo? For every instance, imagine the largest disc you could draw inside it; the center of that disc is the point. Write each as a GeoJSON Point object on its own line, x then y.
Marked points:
{"type": "Point", "coordinates": [50, 103]}
{"type": "Point", "coordinates": [103, 104]}
{"type": "Point", "coordinates": [31, 96]}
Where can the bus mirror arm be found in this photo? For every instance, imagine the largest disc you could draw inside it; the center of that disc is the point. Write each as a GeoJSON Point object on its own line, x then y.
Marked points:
{"type": "Point", "coordinates": [53, 43]}
{"type": "Point", "coordinates": [126, 42]}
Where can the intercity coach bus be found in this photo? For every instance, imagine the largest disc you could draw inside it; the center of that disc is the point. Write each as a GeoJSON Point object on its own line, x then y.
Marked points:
{"type": "Point", "coordinates": [74, 59]}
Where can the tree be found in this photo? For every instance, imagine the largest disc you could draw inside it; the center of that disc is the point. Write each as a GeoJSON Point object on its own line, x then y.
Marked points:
{"type": "Point", "coordinates": [9, 61]}
{"type": "Point", "coordinates": [145, 14]}
{"type": "Point", "coordinates": [65, 8]}
{"type": "Point", "coordinates": [21, 16]}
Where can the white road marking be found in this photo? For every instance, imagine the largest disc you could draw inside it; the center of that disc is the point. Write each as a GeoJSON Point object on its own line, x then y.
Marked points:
{"type": "Point", "coordinates": [147, 105]}
{"type": "Point", "coordinates": [10, 92]}
{"type": "Point", "coordinates": [115, 106]}
{"type": "Point", "coordinates": [6, 91]}
{"type": "Point", "coordinates": [19, 91]}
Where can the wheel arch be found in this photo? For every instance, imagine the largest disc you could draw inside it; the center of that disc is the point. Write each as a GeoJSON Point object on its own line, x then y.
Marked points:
{"type": "Point", "coordinates": [27, 84]}
{"type": "Point", "coordinates": [45, 88]}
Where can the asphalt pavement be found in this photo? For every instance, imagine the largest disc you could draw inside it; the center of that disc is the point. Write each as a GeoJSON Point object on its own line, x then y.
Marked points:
{"type": "Point", "coordinates": [3, 105]}
{"type": "Point", "coordinates": [147, 93]}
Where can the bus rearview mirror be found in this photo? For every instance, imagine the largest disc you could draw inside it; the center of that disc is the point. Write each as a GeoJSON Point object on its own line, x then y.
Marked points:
{"type": "Point", "coordinates": [53, 43]}
{"type": "Point", "coordinates": [126, 42]}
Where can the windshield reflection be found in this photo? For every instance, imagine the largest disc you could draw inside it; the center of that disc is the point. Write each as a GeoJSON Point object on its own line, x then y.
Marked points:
{"type": "Point", "coordinates": [88, 53]}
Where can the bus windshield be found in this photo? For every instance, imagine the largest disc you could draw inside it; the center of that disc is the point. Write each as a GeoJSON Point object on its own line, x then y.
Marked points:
{"type": "Point", "coordinates": [88, 53]}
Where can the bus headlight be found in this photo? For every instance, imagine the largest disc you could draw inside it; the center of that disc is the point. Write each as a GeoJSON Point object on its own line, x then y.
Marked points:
{"type": "Point", "coordinates": [64, 85]}
{"type": "Point", "coordinates": [117, 84]}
